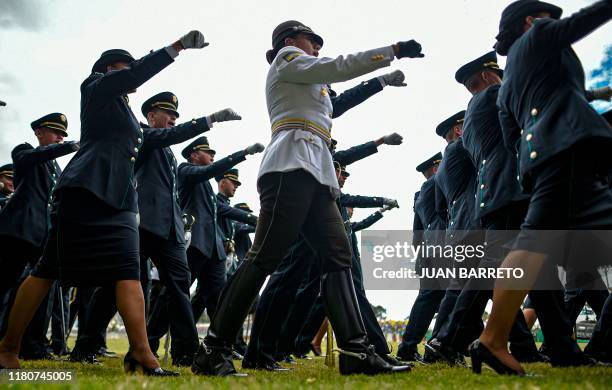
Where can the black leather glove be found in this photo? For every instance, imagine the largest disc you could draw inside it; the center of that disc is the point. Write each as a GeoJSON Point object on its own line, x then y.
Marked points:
{"type": "Point", "coordinates": [411, 49]}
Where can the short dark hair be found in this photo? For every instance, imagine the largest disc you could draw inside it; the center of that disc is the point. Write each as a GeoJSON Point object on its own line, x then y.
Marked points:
{"type": "Point", "coordinates": [271, 54]}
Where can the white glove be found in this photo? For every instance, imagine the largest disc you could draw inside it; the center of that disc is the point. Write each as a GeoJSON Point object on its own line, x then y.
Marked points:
{"type": "Point", "coordinates": [255, 148]}
{"type": "Point", "coordinates": [193, 40]}
{"type": "Point", "coordinates": [394, 79]}
{"type": "Point", "coordinates": [391, 203]}
{"type": "Point", "coordinates": [393, 139]}
{"type": "Point", "coordinates": [223, 116]}
{"type": "Point", "coordinates": [604, 93]}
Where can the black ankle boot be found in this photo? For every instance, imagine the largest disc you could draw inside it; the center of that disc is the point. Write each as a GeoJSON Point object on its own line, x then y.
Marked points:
{"type": "Point", "coordinates": [214, 356]}
{"type": "Point", "coordinates": [356, 355]}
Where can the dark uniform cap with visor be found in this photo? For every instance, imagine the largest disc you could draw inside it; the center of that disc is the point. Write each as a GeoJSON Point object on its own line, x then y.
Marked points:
{"type": "Point", "coordinates": [232, 175]}
{"type": "Point", "coordinates": [166, 101]}
{"type": "Point", "coordinates": [291, 27]}
{"type": "Point", "coordinates": [244, 207]}
{"type": "Point", "coordinates": [56, 121]}
{"type": "Point", "coordinates": [449, 123]}
{"type": "Point", "coordinates": [522, 8]}
{"type": "Point", "coordinates": [485, 62]}
{"type": "Point", "coordinates": [6, 170]}
{"type": "Point", "coordinates": [110, 57]}
{"type": "Point", "coordinates": [200, 143]}
{"type": "Point", "coordinates": [430, 162]}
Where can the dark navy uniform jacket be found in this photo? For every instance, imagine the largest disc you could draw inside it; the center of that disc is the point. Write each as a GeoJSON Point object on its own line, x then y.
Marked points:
{"type": "Point", "coordinates": [227, 216]}
{"type": "Point", "coordinates": [497, 184]}
{"type": "Point", "coordinates": [425, 207]}
{"type": "Point", "coordinates": [359, 201]}
{"type": "Point", "coordinates": [356, 153]}
{"type": "Point", "coordinates": [242, 238]}
{"type": "Point", "coordinates": [196, 197]}
{"type": "Point", "coordinates": [417, 224]}
{"type": "Point", "coordinates": [26, 214]}
{"type": "Point", "coordinates": [353, 96]}
{"type": "Point", "coordinates": [344, 201]}
{"type": "Point", "coordinates": [111, 136]}
{"type": "Point", "coordinates": [367, 222]}
{"type": "Point", "coordinates": [355, 227]}
{"type": "Point", "coordinates": [3, 200]}
{"type": "Point", "coordinates": [456, 180]}
{"type": "Point", "coordinates": [156, 179]}
{"type": "Point", "coordinates": [225, 224]}
{"type": "Point", "coordinates": [542, 102]}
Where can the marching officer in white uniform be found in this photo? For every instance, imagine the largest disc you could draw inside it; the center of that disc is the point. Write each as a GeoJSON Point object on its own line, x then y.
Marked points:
{"type": "Point", "coordinates": [298, 186]}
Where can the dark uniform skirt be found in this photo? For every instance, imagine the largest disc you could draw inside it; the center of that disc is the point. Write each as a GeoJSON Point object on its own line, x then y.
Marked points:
{"type": "Point", "coordinates": [90, 243]}
{"type": "Point", "coordinates": [570, 211]}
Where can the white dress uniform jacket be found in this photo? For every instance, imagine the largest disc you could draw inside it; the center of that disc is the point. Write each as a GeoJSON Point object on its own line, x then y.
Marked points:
{"type": "Point", "coordinates": [300, 108]}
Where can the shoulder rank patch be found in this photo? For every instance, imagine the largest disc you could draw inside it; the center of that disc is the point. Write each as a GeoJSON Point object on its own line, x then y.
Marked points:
{"type": "Point", "coordinates": [291, 56]}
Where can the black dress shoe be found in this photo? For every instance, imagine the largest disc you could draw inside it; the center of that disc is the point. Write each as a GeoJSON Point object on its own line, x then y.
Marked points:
{"type": "Point", "coordinates": [367, 362]}
{"type": "Point", "coordinates": [264, 366]}
{"type": "Point", "coordinates": [183, 361]}
{"type": "Point", "coordinates": [103, 352]}
{"type": "Point", "coordinates": [236, 355]}
{"type": "Point", "coordinates": [214, 360]}
{"type": "Point", "coordinates": [443, 353]}
{"type": "Point", "coordinates": [299, 355]}
{"type": "Point", "coordinates": [85, 358]}
{"type": "Point", "coordinates": [289, 360]}
{"type": "Point", "coordinates": [429, 357]}
{"type": "Point", "coordinates": [534, 357]}
{"type": "Point", "coordinates": [575, 360]}
{"type": "Point", "coordinates": [46, 355]}
{"type": "Point", "coordinates": [601, 357]}
{"type": "Point", "coordinates": [479, 354]}
{"type": "Point", "coordinates": [409, 356]}
{"type": "Point", "coordinates": [392, 360]}
{"type": "Point", "coordinates": [131, 365]}
{"type": "Point", "coordinates": [272, 366]}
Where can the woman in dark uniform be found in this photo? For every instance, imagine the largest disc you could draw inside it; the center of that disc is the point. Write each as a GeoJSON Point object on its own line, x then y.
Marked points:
{"type": "Point", "coordinates": [93, 239]}
{"type": "Point", "coordinates": [563, 147]}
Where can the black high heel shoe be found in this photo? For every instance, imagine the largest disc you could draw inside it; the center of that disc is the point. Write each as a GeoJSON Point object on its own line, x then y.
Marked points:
{"type": "Point", "coordinates": [131, 365]}
{"type": "Point", "coordinates": [479, 353]}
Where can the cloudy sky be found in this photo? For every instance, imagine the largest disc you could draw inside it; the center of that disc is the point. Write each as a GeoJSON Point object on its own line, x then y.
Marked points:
{"type": "Point", "coordinates": [48, 47]}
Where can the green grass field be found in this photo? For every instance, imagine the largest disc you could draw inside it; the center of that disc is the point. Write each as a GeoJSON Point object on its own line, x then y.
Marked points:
{"type": "Point", "coordinates": [314, 373]}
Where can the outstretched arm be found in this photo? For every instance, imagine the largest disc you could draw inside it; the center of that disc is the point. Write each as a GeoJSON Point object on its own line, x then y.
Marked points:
{"type": "Point", "coordinates": [567, 31]}
{"type": "Point", "coordinates": [295, 66]}
{"type": "Point", "coordinates": [120, 82]}
{"type": "Point", "coordinates": [25, 155]}
{"type": "Point", "coordinates": [235, 214]}
{"type": "Point", "coordinates": [367, 222]}
{"type": "Point", "coordinates": [190, 173]}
